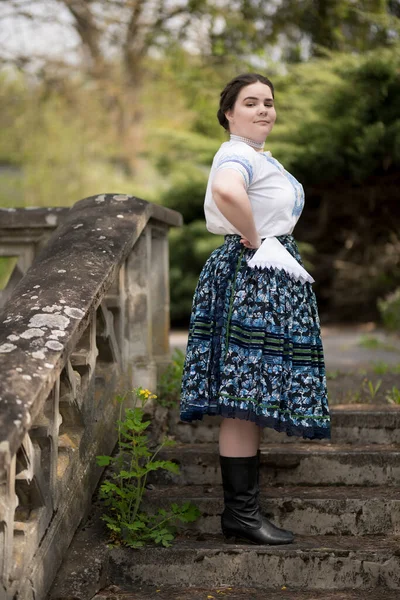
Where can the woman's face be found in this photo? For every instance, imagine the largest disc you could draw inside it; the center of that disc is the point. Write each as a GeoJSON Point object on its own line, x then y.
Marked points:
{"type": "Point", "coordinates": [253, 114]}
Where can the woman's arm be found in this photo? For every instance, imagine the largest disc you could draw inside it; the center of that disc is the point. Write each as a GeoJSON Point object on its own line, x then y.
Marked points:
{"type": "Point", "coordinates": [231, 198]}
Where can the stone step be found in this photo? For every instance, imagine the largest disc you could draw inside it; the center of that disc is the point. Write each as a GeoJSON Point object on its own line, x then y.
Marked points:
{"type": "Point", "coordinates": [292, 464]}
{"type": "Point", "coordinates": [311, 563]}
{"type": "Point", "coordinates": [237, 593]}
{"type": "Point", "coordinates": [304, 510]}
{"type": "Point", "coordinates": [351, 423]}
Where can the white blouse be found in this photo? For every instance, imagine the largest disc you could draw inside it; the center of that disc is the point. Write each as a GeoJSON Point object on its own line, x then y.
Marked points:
{"type": "Point", "coordinates": [276, 198]}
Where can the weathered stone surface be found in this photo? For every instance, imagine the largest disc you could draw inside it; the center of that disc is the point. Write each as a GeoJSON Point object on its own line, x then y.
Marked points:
{"type": "Point", "coordinates": [23, 233]}
{"type": "Point", "coordinates": [308, 510]}
{"type": "Point", "coordinates": [236, 593]}
{"type": "Point", "coordinates": [74, 269]}
{"type": "Point", "coordinates": [65, 351]}
{"type": "Point", "coordinates": [324, 563]}
{"type": "Point", "coordinates": [351, 424]}
{"type": "Point", "coordinates": [294, 464]}
{"type": "Point", "coordinates": [85, 570]}
{"type": "Point", "coordinates": [12, 219]}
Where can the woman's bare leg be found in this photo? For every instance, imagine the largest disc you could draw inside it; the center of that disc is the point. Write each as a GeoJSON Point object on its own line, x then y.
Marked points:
{"type": "Point", "coordinates": [238, 438]}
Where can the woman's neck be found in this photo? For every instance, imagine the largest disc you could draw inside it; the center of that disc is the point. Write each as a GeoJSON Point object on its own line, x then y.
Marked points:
{"type": "Point", "coordinates": [258, 146]}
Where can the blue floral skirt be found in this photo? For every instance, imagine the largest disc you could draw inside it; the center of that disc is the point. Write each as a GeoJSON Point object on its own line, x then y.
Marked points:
{"type": "Point", "coordinates": [254, 350]}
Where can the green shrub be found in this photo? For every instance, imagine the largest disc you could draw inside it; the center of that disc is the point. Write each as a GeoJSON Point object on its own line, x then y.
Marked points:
{"type": "Point", "coordinates": [123, 490]}
{"type": "Point", "coordinates": [169, 385]}
{"type": "Point", "coordinates": [389, 308]}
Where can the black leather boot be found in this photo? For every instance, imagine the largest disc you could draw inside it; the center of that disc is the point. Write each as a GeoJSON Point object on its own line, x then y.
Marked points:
{"type": "Point", "coordinates": [242, 518]}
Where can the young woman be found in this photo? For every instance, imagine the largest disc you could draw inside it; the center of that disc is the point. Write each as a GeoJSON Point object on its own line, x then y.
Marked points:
{"type": "Point", "coordinates": [254, 353]}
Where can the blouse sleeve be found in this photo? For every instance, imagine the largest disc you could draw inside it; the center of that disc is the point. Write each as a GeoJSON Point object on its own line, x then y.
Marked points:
{"type": "Point", "coordinates": [241, 159]}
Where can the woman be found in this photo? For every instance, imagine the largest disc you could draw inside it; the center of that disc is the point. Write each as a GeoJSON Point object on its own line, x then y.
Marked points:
{"type": "Point", "coordinates": [254, 353]}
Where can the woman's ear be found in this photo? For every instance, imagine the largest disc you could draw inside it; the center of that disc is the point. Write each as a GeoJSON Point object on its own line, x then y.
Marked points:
{"type": "Point", "coordinates": [229, 115]}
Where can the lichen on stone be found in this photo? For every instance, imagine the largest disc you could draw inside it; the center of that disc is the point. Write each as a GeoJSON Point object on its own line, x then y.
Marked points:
{"type": "Point", "coordinates": [49, 321]}
{"type": "Point", "coordinates": [7, 348]}
{"type": "Point", "coordinates": [32, 333]}
{"type": "Point", "coordinates": [53, 345]}
{"type": "Point", "coordinates": [55, 334]}
{"type": "Point", "coordinates": [51, 219]}
{"type": "Point", "coordinates": [74, 313]}
{"type": "Point", "coordinates": [50, 309]}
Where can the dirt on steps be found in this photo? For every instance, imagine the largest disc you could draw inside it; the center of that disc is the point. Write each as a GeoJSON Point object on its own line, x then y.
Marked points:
{"type": "Point", "coordinates": [230, 593]}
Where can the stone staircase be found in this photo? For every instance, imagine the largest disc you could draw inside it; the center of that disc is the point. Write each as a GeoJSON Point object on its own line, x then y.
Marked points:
{"type": "Point", "coordinates": [341, 498]}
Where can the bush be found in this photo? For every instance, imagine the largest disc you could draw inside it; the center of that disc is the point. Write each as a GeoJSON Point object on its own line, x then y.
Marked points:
{"type": "Point", "coordinates": [389, 308]}
{"type": "Point", "coordinates": [124, 488]}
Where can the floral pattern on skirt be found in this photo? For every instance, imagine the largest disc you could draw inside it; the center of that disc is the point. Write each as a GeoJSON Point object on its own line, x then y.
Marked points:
{"type": "Point", "coordinates": [254, 349]}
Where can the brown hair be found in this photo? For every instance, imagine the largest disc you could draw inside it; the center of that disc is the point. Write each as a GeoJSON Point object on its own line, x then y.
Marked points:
{"type": "Point", "coordinates": [231, 91]}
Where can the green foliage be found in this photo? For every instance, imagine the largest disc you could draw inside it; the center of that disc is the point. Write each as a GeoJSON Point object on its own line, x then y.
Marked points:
{"type": "Point", "coordinates": [389, 308]}
{"type": "Point", "coordinates": [186, 193]}
{"type": "Point", "coordinates": [124, 489]}
{"type": "Point", "coordinates": [6, 268]}
{"type": "Point", "coordinates": [370, 389]}
{"type": "Point", "coordinates": [380, 368]}
{"type": "Point", "coordinates": [373, 343]}
{"type": "Point", "coordinates": [332, 374]}
{"type": "Point", "coordinates": [393, 395]}
{"type": "Point", "coordinates": [332, 24]}
{"type": "Point", "coordinates": [169, 385]}
{"type": "Point", "coordinates": [347, 113]}
{"type": "Point", "coordinates": [190, 247]}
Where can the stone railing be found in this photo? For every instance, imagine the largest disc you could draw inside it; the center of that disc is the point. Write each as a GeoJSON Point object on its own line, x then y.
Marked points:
{"type": "Point", "coordinates": [23, 233]}
{"type": "Point", "coordinates": [90, 318]}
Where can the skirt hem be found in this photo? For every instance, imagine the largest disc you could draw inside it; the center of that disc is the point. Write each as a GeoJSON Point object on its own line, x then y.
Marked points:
{"type": "Point", "coordinates": [310, 432]}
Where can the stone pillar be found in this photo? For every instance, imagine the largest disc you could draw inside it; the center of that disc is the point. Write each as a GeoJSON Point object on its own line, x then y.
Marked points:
{"type": "Point", "coordinates": [138, 314]}
{"type": "Point", "coordinates": [159, 290]}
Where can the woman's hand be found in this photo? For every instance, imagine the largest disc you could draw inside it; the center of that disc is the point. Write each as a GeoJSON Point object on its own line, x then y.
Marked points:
{"type": "Point", "coordinates": [249, 245]}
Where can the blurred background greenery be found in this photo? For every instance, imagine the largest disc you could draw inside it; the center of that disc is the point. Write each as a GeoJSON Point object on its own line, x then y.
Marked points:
{"type": "Point", "coordinates": [131, 108]}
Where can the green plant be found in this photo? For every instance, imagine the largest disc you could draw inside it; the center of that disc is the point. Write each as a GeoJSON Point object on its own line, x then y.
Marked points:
{"type": "Point", "coordinates": [389, 308]}
{"type": "Point", "coordinates": [352, 397]}
{"type": "Point", "coordinates": [123, 491]}
{"type": "Point", "coordinates": [380, 367]}
{"type": "Point", "coordinates": [373, 343]}
{"type": "Point", "coordinates": [393, 396]}
{"type": "Point", "coordinates": [370, 388]}
{"type": "Point", "coordinates": [332, 374]}
{"type": "Point", "coordinates": [169, 385]}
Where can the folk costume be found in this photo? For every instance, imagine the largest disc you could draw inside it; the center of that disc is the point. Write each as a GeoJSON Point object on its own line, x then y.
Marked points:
{"type": "Point", "coordinates": [254, 348]}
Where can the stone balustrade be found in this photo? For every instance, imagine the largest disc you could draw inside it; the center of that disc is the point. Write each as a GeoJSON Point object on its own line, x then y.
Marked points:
{"type": "Point", "coordinates": [88, 319]}
{"type": "Point", "coordinates": [23, 233]}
